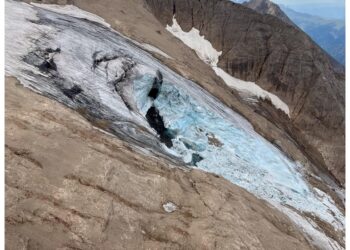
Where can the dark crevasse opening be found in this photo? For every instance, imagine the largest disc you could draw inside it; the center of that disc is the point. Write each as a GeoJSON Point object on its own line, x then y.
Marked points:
{"type": "Point", "coordinates": [153, 116]}
{"type": "Point", "coordinates": [72, 92]}
{"type": "Point", "coordinates": [156, 85]}
{"type": "Point", "coordinates": [156, 122]}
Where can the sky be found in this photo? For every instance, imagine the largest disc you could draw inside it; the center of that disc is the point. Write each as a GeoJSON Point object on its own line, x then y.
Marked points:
{"type": "Point", "coordinates": [334, 9]}
{"type": "Point", "coordinates": [329, 9]}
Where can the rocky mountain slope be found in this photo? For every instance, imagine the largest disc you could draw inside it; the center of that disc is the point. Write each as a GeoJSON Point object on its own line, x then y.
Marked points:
{"type": "Point", "coordinates": [268, 7]}
{"type": "Point", "coordinates": [328, 33]}
{"type": "Point", "coordinates": [150, 90]}
{"type": "Point", "coordinates": [281, 59]}
{"type": "Point", "coordinates": [71, 186]}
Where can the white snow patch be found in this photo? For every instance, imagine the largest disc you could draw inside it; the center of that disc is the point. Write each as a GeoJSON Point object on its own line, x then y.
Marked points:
{"type": "Point", "coordinates": [207, 53]}
{"type": "Point", "coordinates": [73, 11]}
{"type": "Point", "coordinates": [251, 88]}
{"type": "Point", "coordinates": [169, 207]}
{"type": "Point", "coordinates": [154, 49]}
{"type": "Point", "coordinates": [195, 41]}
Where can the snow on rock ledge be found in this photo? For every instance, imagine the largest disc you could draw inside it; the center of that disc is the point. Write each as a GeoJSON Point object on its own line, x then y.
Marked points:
{"type": "Point", "coordinates": [195, 41]}
{"type": "Point", "coordinates": [207, 53]}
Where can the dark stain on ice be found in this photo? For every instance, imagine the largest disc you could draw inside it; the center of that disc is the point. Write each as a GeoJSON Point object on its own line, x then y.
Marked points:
{"type": "Point", "coordinates": [128, 65]}
{"type": "Point", "coordinates": [48, 65]}
{"type": "Point", "coordinates": [72, 92]}
{"type": "Point", "coordinates": [196, 158]}
{"type": "Point", "coordinates": [106, 58]}
{"type": "Point", "coordinates": [43, 59]}
{"type": "Point", "coordinates": [50, 50]}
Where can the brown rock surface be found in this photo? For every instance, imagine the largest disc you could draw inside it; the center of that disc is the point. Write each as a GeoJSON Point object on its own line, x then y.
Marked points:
{"type": "Point", "coordinates": [71, 186]}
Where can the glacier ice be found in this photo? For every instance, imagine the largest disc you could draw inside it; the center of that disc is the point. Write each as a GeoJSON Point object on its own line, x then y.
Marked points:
{"type": "Point", "coordinates": [243, 157]}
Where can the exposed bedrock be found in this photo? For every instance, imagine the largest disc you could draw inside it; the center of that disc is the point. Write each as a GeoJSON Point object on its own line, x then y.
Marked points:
{"type": "Point", "coordinates": [282, 60]}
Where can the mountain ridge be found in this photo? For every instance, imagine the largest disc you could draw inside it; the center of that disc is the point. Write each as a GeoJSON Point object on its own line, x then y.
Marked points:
{"type": "Point", "coordinates": [328, 34]}
{"type": "Point", "coordinates": [268, 7]}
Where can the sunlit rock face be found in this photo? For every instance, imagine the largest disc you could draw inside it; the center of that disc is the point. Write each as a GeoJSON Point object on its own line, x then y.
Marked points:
{"type": "Point", "coordinates": [123, 89]}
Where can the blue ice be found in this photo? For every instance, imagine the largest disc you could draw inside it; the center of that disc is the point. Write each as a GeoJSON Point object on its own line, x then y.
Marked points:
{"type": "Point", "coordinates": [244, 158]}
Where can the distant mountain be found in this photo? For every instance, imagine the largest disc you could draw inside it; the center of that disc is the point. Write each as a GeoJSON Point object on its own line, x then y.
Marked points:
{"type": "Point", "coordinates": [268, 7]}
{"type": "Point", "coordinates": [329, 34]}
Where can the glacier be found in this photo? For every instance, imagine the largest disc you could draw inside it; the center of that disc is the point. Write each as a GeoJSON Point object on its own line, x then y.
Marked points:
{"type": "Point", "coordinates": [84, 64]}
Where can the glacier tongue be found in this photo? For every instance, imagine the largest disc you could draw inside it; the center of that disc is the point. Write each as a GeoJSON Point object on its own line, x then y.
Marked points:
{"type": "Point", "coordinates": [91, 68]}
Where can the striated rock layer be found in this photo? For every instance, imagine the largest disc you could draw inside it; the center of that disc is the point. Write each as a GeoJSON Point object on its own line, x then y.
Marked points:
{"type": "Point", "coordinates": [71, 186]}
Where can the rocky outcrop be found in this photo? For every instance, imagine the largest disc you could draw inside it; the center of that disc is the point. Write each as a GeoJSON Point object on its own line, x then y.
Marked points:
{"type": "Point", "coordinates": [269, 8]}
{"type": "Point", "coordinates": [71, 186]}
{"type": "Point", "coordinates": [281, 59]}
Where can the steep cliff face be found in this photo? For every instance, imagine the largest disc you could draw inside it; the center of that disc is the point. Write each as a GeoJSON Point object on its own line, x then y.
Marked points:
{"type": "Point", "coordinates": [268, 7]}
{"type": "Point", "coordinates": [281, 59]}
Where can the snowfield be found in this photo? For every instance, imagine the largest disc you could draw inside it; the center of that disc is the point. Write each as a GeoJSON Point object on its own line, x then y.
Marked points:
{"type": "Point", "coordinates": [111, 78]}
